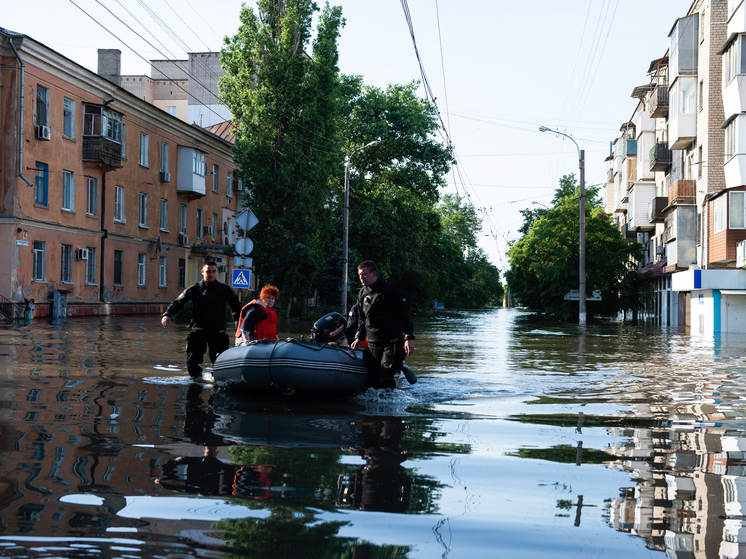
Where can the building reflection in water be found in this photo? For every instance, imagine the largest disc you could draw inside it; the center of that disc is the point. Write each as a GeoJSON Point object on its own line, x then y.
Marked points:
{"type": "Point", "coordinates": [688, 462]}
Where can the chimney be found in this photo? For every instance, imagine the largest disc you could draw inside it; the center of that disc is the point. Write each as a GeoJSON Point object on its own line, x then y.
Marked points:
{"type": "Point", "coordinates": [110, 64]}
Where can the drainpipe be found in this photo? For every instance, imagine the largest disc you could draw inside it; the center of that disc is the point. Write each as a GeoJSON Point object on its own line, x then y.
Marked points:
{"type": "Point", "coordinates": [104, 235]}
{"type": "Point", "coordinates": [10, 37]}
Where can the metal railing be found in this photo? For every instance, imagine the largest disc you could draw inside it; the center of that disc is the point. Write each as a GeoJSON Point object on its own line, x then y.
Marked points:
{"type": "Point", "coordinates": [10, 310]}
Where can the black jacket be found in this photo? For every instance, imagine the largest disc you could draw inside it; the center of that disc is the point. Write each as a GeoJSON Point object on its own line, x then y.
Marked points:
{"type": "Point", "coordinates": [382, 314]}
{"type": "Point", "coordinates": [208, 305]}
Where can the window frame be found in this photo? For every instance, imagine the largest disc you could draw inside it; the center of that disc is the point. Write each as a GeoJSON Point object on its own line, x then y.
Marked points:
{"type": "Point", "coordinates": [66, 263]}
{"type": "Point", "coordinates": [91, 196]}
{"type": "Point", "coordinates": [119, 267]}
{"type": "Point", "coordinates": [215, 178]}
{"type": "Point", "coordinates": [39, 271]}
{"type": "Point", "coordinates": [90, 267]}
{"type": "Point", "coordinates": [719, 214]}
{"type": "Point", "coordinates": [68, 191]}
{"type": "Point", "coordinates": [732, 205]}
{"type": "Point", "coordinates": [119, 213]}
{"type": "Point", "coordinates": [165, 157]}
{"type": "Point", "coordinates": [42, 102]}
{"type": "Point", "coordinates": [142, 210]}
{"type": "Point", "coordinates": [164, 215]}
{"type": "Point", "coordinates": [68, 118]}
{"type": "Point", "coordinates": [144, 147]}
{"type": "Point", "coordinates": [183, 219]}
{"type": "Point", "coordinates": [162, 271]}
{"type": "Point", "coordinates": [141, 270]}
{"type": "Point", "coordinates": [200, 223]}
{"type": "Point", "coordinates": [199, 163]}
{"type": "Point", "coordinates": [41, 184]}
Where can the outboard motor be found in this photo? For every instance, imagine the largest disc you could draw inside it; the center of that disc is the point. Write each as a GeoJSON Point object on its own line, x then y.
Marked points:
{"type": "Point", "coordinates": [330, 328]}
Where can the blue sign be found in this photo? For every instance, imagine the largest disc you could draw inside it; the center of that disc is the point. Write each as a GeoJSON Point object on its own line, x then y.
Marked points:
{"type": "Point", "coordinates": [241, 278]}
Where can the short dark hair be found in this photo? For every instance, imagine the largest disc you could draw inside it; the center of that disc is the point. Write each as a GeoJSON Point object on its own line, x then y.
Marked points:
{"type": "Point", "coordinates": [210, 263]}
{"type": "Point", "coordinates": [368, 265]}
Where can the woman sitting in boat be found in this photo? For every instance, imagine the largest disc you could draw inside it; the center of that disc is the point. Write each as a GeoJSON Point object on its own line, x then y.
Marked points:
{"type": "Point", "coordinates": [259, 319]}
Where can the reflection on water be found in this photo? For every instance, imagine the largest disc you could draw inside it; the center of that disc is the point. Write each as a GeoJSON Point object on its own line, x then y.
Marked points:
{"type": "Point", "coordinates": [521, 439]}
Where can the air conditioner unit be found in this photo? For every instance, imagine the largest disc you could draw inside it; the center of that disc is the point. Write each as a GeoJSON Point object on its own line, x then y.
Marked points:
{"type": "Point", "coordinates": [165, 176]}
{"type": "Point", "coordinates": [81, 254]}
{"type": "Point", "coordinates": [741, 254]}
{"type": "Point", "coordinates": [43, 132]}
{"type": "Point", "coordinates": [237, 185]}
{"type": "Point", "coordinates": [183, 239]}
{"type": "Point", "coordinates": [207, 230]}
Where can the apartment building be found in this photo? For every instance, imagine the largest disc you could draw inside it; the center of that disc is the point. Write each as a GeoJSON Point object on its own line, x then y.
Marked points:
{"type": "Point", "coordinates": [684, 199]}
{"type": "Point", "coordinates": [108, 203]}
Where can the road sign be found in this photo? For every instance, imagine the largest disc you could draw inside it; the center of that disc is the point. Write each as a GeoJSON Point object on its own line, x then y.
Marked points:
{"type": "Point", "coordinates": [246, 219]}
{"type": "Point", "coordinates": [574, 295]}
{"type": "Point", "coordinates": [243, 261]}
{"type": "Point", "coordinates": [241, 278]}
{"type": "Point", "coordinates": [244, 246]}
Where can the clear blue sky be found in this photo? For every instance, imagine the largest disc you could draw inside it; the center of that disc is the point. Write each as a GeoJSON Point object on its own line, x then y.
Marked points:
{"type": "Point", "coordinates": [498, 70]}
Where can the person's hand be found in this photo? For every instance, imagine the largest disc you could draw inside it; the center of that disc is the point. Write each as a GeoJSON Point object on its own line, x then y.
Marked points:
{"type": "Point", "coordinates": [165, 320]}
{"type": "Point", "coordinates": [409, 347]}
{"type": "Point", "coordinates": [354, 343]}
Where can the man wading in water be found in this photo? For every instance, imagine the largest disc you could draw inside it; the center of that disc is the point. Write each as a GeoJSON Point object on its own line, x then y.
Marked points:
{"type": "Point", "coordinates": [207, 326]}
{"type": "Point", "coordinates": [382, 319]}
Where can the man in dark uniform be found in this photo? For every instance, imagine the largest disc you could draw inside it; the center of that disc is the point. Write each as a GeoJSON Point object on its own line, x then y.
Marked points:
{"type": "Point", "coordinates": [382, 319]}
{"type": "Point", "coordinates": [207, 326]}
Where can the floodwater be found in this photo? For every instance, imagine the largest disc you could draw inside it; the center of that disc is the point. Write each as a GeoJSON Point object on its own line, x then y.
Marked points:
{"type": "Point", "coordinates": [520, 439]}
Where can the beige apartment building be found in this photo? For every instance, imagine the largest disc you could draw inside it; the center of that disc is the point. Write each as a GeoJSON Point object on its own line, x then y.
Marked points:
{"type": "Point", "coordinates": [676, 179]}
{"type": "Point", "coordinates": [108, 203]}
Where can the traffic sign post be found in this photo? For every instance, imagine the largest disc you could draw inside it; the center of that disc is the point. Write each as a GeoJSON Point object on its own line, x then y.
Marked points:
{"type": "Point", "coordinates": [241, 278]}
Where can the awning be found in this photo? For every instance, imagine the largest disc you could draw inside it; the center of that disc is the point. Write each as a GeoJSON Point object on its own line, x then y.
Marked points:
{"type": "Point", "coordinates": [733, 292]}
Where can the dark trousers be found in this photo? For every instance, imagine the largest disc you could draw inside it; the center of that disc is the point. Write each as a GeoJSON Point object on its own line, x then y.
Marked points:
{"type": "Point", "coordinates": [197, 342]}
{"type": "Point", "coordinates": [384, 363]}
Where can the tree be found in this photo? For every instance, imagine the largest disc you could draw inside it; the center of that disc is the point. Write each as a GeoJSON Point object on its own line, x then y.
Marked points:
{"type": "Point", "coordinates": [287, 106]}
{"type": "Point", "coordinates": [544, 262]}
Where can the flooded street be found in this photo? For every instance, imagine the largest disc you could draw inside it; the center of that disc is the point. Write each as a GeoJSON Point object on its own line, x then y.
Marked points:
{"type": "Point", "coordinates": [520, 439]}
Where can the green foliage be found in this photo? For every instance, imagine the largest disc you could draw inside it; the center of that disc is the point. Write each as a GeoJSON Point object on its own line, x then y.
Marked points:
{"type": "Point", "coordinates": [287, 110]}
{"type": "Point", "coordinates": [544, 262]}
{"type": "Point", "coordinates": [296, 118]}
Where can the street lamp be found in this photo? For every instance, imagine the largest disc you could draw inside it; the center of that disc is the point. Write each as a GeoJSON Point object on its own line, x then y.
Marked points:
{"type": "Point", "coordinates": [581, 249]}
{"type": "Point", "coordinates": [346, 223]}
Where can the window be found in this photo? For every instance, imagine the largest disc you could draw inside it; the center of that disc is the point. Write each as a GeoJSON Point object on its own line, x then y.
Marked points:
{"type": "Point", "coordinates": [718, 214]}
{"type": "Point", "coordinates": [68, 191]}
{"type": "Point", "coordinates": [164, 157]}
{"type": "Point", "coordinates": [141, 259]}
{"type": "Point", "coordinates": [737, 213]}
{"type": "Point", "coordinates": [214, 226]}
{"type": "Point", "coordinates": [200, 223]}
{"type": "Point", "coordinates": [182, 272]}
{"type": "Point", "coordinates": [42, 106]}
{"type": "Point", "coordinates": [90, 267]}
{"type": "Point", "coordinates": [143, 210]}
{"type": "Point", "coordinates": [123, 141]}
{"type": "Point", "coordinates": [701, 95]}
{"type": "Point", "coordinates": [162, 272]}
{"type": "Point", "coordinates": [198, 163]}
{"type": "Point", "coordinates": [701, 163]}
{"type": "Point", "coordinates": [734, 59]}
{"type": "Point", "coordinates": [66, 273]}
{"type": "Point", "coordinates": [229, 184]}
{"type": "Point", "coordinates": [215, 179]}
{"type": "Point", "coordinates": [730, 139]}
{"type": "Point", "coordinates": [171, 110]}
{"type": "Point", "coordinates": [118, 267]}
{"type": "Point", "coordinates": [40, 256]}
{"type": "Point", "coordinates": [164, 214]}
{"type": "Point", "coordinates": [92, 199]}
{"type": "Point", "coordinates": [144, 141]}
{"type": "Point", "coordinates": [41, 189]}
{"type": "Point", "coordinates": [119, 204]}
{"type": "Point", "coordinates": [68, 118]}
{"type": "Point", "coordinates": [102, 121]}
{"type": "Point", "coordinates": [182, 219]}
{"type": "Point", "coordinates": [688, 95]}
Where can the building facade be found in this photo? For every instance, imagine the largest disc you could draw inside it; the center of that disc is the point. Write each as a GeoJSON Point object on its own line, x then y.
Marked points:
{"type": "Point", "coordinates": [108, 203]}
{"type": "Point", "coordinates": [676, 178]}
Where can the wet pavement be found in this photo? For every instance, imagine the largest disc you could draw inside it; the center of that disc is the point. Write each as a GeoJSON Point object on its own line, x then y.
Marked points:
{"type": "Point", "coordinates": [520, 439]}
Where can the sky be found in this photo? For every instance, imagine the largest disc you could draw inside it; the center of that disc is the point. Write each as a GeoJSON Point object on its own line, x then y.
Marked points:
{"type": "Point", "coordinates": [497, 69]}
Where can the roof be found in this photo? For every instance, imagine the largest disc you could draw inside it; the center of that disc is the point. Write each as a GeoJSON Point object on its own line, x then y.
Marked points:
{"type": "Point", "coordinates": [223, 130]}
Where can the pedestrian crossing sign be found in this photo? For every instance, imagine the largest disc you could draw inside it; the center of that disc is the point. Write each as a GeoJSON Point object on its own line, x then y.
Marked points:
{"type": "Point", "coordinates": [241, 278]}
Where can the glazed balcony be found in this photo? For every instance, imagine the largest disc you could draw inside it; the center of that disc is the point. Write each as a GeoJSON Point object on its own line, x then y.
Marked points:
{"type": "Point", "coordinates": [681, 192]}
{"type": "Point", "coordinates": [660, 157]}
{"type": "Point", "coordinates": [655, 209]}
{"type": "Point", "coordinates": [658, 102]}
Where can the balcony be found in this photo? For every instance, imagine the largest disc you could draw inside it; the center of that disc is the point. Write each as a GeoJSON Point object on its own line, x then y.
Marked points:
{"type": "Point", "coordinates": [658, 102]}
{"type": "Point", "coordinates": [99, 149]}
{"type": "Point", "coordinates": [681, 192]}
{"type": "Point", "coordinates": [655, 209]}
{"type": "Point", "coordinates": [660, 157]}
{"type": "Point", "coordinates": [630, 148]}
